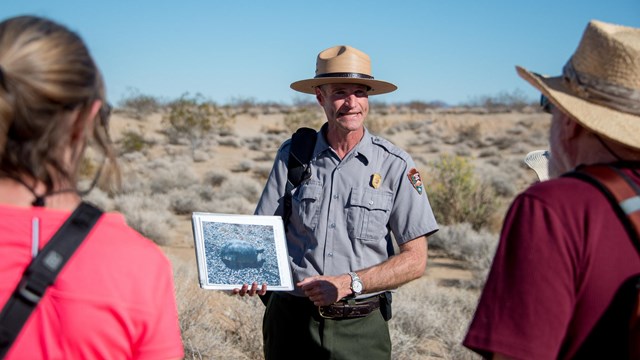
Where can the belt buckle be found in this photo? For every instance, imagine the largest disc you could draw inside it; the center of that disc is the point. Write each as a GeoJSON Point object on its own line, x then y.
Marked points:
{"type": "Point", "coordinates": [323, 315]}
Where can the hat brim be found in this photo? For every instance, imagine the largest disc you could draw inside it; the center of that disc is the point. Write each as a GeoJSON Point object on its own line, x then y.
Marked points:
{"type": "Point", "coordinates": [611, 124]}
{"type": "Point", "coordinates": [376, 87]}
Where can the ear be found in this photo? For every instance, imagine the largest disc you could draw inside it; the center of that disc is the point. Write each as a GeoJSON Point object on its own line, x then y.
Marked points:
{"type": "Point", "coordinates": [84, 120]}
{"type": "Point", "coordinates": [572, 127]}
{"type": "Point", "coordinates": [319, 95]}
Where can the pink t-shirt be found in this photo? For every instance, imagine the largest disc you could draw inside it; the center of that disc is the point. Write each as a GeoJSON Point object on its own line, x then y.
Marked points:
{"type": "Point", "coordinates": [114, 299]}
{"type": "Point", "coordinates": [562, 256]}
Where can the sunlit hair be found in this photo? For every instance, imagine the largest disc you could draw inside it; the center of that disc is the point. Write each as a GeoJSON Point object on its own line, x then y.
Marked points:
{"type": "Point", "coordinates": [47, 72]}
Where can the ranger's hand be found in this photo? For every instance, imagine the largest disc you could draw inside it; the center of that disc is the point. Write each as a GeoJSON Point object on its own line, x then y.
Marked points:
{"type": "Point", "coordinates": [326, 290]}
{"type": "Point", "coordinates": [251, 291]}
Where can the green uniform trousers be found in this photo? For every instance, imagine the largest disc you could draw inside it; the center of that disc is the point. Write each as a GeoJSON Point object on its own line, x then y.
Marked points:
{"type": "Point", "coordinates": [293, 329]}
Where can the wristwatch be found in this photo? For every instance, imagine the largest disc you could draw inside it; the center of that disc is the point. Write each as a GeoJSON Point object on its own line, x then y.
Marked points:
{"type": "Point", "coordinates": [356, 284]}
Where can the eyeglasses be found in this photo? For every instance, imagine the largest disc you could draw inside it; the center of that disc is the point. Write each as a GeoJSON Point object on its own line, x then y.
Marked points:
{"type": "Point", "coordinates": [545, 104]}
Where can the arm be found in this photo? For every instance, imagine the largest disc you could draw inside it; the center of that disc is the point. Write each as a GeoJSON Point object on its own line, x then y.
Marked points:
{"type": "Point", "coordinates": [408, 265]}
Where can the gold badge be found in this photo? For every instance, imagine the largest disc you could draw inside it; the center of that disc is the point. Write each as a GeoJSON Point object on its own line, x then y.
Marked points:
{"type": "Point", "coordinates": [376, 180]}
{"type": "Point", "coordinates": [416, 181]}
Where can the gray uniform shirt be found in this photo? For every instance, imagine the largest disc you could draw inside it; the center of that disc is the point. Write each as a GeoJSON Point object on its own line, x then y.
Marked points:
{"type": "Point", "coordinates": [342, 214]}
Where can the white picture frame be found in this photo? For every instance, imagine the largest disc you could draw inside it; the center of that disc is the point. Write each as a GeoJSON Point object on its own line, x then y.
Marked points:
{"type": "Point", "coordinates": [232, 250]}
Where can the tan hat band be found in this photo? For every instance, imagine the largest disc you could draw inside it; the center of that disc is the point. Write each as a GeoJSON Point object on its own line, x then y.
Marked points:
{"type": "Point", "coordinates": [601, 92]}
{"type": "Point", "coordinates": [345, 75]}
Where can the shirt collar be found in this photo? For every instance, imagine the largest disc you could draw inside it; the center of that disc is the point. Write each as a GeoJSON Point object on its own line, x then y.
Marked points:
{"type": "Point", "coordinates": [362, 150]}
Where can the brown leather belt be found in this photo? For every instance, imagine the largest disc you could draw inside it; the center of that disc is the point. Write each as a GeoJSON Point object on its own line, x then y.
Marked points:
{"type": "Point", "coordinates": [353, 308]}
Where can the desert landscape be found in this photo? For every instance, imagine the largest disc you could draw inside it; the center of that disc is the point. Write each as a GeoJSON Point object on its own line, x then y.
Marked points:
{"type": "Point", "coordinates": [193, 156]}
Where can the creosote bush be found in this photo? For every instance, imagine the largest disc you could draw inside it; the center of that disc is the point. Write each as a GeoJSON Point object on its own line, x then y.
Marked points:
{"type": "Point", "coordinates": [138, 105]}
{"type": "Point", "coordinates": [457, 196]}
{"type": "Point", "coordinates": [132, 141]}
{"type": "Point", "coordinates": [193, 119]}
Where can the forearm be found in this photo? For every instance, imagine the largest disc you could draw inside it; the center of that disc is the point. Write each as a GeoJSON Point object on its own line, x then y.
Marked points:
{"type": "Point", "coordinates": [398, 270]}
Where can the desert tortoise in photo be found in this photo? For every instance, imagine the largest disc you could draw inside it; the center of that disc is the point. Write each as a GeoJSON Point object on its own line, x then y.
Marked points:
{"type": "Point", "coordinates": [238, 254]}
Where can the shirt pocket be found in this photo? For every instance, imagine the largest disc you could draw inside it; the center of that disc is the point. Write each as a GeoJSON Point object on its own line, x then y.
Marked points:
{"type": "Point", "coordinates": [306, 204]}
{"type": "Point", "coordinates": [368, 212]}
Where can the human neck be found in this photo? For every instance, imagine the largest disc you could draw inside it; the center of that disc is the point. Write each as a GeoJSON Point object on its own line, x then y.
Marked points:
{"type": "Point", "coordinates": [17, 193]}
{"type": "Point", "coordinates": [342, 142]}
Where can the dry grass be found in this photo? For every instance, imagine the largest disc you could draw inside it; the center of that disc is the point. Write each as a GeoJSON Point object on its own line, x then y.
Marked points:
{"type": "Point", "coordinates": [163, 183]}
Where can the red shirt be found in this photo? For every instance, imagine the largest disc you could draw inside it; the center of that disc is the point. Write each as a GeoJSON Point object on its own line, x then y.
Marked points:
{"type": "Point", "coordinates": [114, 299]}
{"type": "Point", "coordinates": [563, 253]}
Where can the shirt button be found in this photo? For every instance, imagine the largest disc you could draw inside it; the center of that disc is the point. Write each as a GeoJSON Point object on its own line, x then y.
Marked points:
{"type": "Point", "coordinates": [333, 226]}
{"type": "Point", "coordinates": [330, 254]}
{"type": "Point", "coordinates": [335, 196]}
{"type": "Point", "coordinates": [370, 202]}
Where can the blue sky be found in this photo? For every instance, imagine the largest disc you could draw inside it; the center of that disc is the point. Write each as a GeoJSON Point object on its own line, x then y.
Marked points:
{"type": "Point", "coordinates": [451, 51]}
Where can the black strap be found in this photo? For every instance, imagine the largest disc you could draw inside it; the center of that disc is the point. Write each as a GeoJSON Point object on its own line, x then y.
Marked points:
{"type": "Point", "coordinates": [42, 272]}
{"type": "Point", "coordinates": [303, 141]}
{"type": "Point", "coordinates": [620, 190]}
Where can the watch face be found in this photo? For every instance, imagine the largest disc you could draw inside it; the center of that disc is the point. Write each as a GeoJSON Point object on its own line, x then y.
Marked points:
{"type": "Point", "coordinates": [356, 286]}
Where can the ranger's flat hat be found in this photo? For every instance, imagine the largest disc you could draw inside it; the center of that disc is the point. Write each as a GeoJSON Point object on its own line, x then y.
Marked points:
{"type": "Point", "coordinates": [600, 84]}
{"type": "Point", "coordinates": [343, 65]}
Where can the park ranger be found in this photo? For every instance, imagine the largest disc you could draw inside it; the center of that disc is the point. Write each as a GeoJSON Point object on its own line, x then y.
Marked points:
{"type": "Point", "coordinates": [360, 189]}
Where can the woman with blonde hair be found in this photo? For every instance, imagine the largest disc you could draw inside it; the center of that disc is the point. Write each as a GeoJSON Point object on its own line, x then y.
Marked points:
{"type": "Point", "coordinates": [114, 298]}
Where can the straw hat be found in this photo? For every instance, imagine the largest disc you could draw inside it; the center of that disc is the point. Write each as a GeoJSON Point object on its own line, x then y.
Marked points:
{"type": "Point", "coordinates": [600, 84]}
{"type": "Point", "coordinates": [343, 64]}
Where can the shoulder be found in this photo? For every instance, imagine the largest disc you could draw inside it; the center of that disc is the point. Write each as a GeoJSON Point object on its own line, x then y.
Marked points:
{"type": "Point", "coordinates": [390, 148]}
{"type": "Point", "coordinates": [562, 191]}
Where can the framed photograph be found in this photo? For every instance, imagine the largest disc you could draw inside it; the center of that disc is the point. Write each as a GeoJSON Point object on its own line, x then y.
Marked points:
{"type": "Point", "coordinates": [232, 250]}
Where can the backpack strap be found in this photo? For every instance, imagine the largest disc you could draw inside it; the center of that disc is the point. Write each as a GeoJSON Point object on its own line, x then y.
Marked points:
{"type": "Point", "coordinates": [43, 271]}
{"type": "Point", "coordinates": [303, 141]}
{"type": "Point", "coordinates": [624, 195]}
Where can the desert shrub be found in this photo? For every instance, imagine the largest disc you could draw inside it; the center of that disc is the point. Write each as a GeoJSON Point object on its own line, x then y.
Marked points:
{"type": "Point", "coordinates": [149, 215]}
{"type": "Point", "coordinates": [242, 166]}
{"type": "Point", "coordinates": [230, 141]}
{"type": "Point", "coordinates": [185, 201]}
{"type": "Point", "coordinates": [457, 195]}
{"type": "Point", "coordinates": [214, 325]}
{"type": "Point", "coordinates": [216, 177]}
{"type": "Point", "coordinates": [87, 168]}
{"type": "Point", "coordinates": [193, 119]}
{"type": "Point", "coordinates": [377, 125]}
{"type": "Point", "coordinates": [304, 117]}
{"type": "Point", "coordinates": [165, 177]}
{"type": "Point", "coordinates": [503, 186]}
{"type": "Point", "coordinates": [201, 156]}
{"type": "Point", "coordinates": [229, 205]}
{"type": "Point", "coordinates": [138, 105]}
{"type": "Point", "coordinates": [262, 172]}
{"type": "Point", "coordinates": [462, 242]}
{"type": "Point", "coordinates": [241, 187]}
{"type": "Point", "coordinates": [100, 198]}
{"type": "Point", "coordinates": [430, 321]}
{"type": "Point", "coordinates": [469, 133]}
{"type": "Point", "coordinates": [504, 142]}
{"type": "Point", "coordinates": [132, 141]}
{"type": "Point", "coordinates": [133, 179]}
{"type": "Point", "coordinates": [516, 100]}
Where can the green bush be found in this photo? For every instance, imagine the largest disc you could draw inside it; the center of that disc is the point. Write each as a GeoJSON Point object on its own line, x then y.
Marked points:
{"type": "Point", "coordinates": [131, 142]}
{"type": "Point", "coordinates": [457, 196]}
{"type": "Point", "coordinates": [193, 119]}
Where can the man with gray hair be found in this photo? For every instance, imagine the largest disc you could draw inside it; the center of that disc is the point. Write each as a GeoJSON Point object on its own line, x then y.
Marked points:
{"type": "Point", "coordinates": [558, 287]}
